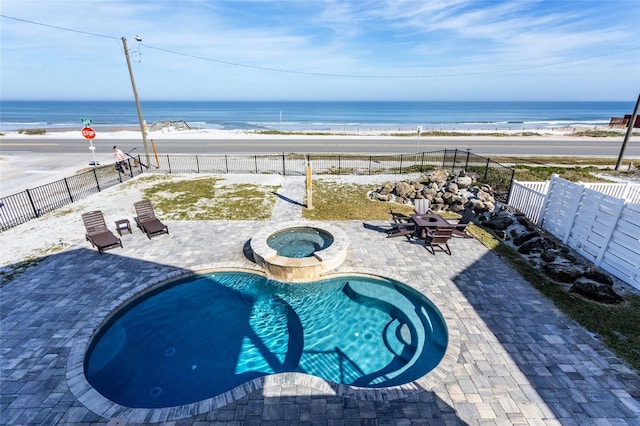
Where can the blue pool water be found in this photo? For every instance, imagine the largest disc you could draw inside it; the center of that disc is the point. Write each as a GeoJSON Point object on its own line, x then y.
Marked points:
{"type": "Point", "coordinates": [203, 335]}
{"type": "Point", "coordinates": [299, 242]}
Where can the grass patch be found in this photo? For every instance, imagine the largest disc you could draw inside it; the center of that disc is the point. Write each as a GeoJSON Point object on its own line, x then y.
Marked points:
{"type": "Point", "coordinates": [208, 199]}
{"type": "Point", "coordinates": [573, 174]}
{"type": "Point", "coordinates": [336, 201]}
{"type": "Point", "coordinates": [558, 160]}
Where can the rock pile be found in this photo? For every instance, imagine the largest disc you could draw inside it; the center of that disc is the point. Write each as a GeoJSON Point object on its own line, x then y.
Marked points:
{"type": "Point", "coordinates": [445, 192]}
{"type": "Point", "coordinates": [547, 254]}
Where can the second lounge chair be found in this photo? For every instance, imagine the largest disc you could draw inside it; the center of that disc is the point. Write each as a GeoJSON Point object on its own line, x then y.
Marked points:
{"type": "Point", "coordinates": [147, 221]}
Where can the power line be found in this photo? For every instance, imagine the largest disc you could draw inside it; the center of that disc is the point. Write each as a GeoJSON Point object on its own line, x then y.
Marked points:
{"type": "Point", "coordinates": [321, 74]}
{"type": "Point", "coordinates": [58, 28]}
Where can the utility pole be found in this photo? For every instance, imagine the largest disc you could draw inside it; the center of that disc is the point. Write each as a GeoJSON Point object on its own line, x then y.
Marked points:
{"type": "Point", "coordinates": [628, 134]}
{"type": "Point", "coordinates": [135, 95]}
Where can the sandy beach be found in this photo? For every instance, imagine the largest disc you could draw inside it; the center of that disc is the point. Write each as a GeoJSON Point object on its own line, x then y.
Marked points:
{"type": "Point", "coordinates": [133, 132]}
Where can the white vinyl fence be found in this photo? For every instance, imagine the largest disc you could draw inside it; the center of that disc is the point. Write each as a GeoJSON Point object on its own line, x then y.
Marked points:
{"type": "Point", "coordinates": [600, 221]}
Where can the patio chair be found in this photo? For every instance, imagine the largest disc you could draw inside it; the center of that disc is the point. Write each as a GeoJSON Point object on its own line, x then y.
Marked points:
{"type": "Point", "coordinates": [147, 221]}
{"type": "Point", "coordinates": [402, 226]}
{"type": "Point", "coordinates": [97, 232]}
{"type": "Point", "coordinates": [436, 237]}
{"type": "Point", "coordinates": [421, 206]}
{"type": "Point", "coordinates": [459, 229]}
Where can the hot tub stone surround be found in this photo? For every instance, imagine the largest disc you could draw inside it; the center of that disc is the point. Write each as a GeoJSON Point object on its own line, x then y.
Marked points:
{"type": "Point", "coordinates": [302, 269]}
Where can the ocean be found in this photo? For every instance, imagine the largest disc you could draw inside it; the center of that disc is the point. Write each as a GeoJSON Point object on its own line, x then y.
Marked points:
{"type": "Point", "coordinates": [315, 116]}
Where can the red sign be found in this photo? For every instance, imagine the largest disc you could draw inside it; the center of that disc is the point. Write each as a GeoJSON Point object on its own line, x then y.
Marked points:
{"type": "Point", "coordinates": [88, 133]}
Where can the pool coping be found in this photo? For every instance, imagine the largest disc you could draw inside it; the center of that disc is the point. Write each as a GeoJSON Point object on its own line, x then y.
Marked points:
{"type": "Point", "coordinates": [102, 406]}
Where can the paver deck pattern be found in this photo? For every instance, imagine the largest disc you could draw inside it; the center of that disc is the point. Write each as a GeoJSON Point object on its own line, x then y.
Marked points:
{"type": "Point", "coordinates": [521, 360]}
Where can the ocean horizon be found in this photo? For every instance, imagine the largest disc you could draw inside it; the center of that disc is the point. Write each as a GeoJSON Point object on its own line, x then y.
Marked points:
{"type": "Point", "coordinates": [316, 115]}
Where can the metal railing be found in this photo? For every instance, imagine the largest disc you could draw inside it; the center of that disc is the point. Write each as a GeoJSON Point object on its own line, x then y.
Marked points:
{"type": "Point", "coordinates": [496, 175]}
{"type": "Point", "coordinates": [33, 203]}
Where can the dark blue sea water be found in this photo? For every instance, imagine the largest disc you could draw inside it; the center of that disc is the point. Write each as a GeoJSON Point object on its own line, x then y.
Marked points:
{"type": "Point", "coordinates": [336, 116]}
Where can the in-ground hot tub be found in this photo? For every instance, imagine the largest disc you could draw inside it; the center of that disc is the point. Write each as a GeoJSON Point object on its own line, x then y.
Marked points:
{"type": "Point", "coordinates": [299, 251]}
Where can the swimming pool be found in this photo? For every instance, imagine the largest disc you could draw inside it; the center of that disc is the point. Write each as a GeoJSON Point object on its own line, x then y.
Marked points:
{"type": "Point", "coordinates": [214, 332]}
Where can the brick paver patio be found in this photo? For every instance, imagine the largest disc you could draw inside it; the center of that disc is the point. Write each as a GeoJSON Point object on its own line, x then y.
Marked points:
{"type": "Point", "coordinates": [518, 359]}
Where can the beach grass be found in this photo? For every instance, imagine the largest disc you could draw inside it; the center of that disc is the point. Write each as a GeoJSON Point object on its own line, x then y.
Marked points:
{"type": "Point", "coordinates": [32, 131]}
{"type": "Point", "coordinates": [592, 133]}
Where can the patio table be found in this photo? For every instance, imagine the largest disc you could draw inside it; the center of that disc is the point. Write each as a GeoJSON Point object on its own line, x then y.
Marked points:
{"type": "Point", "coordinates": [430, 220]}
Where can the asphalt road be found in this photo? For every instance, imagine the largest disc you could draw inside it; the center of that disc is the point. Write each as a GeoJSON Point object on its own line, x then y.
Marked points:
{"type": "Point", "coordinates": [485, 146]}
{"type": "Point", "coordinates": [30, 162]}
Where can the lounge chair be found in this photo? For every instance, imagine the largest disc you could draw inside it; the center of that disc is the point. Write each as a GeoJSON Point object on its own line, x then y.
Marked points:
{"type": "Point", "coordinates": [421, 206]}
{"type": "Point", "coordinates": [459, 229]}
{"type": "Point", "coordinates": [97, 232]}
{"type": "Point", "coordinates": [438, 236]}
{"type": "Point", "coordinates": [402, 226]}
{"type": "Point", "coordinates": [147, 221]}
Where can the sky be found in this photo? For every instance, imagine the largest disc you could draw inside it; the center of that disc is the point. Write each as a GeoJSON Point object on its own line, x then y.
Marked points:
{"type": "Point", "coordinates": [427, 50]}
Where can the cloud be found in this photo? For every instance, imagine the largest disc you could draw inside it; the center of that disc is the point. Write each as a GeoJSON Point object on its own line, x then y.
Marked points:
{"type": "Point", "coordinates": [398, 40]}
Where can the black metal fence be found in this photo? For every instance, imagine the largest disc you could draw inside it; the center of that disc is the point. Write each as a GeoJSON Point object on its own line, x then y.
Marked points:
{"type": "Point", "coordinates": [32, 203]}
{"type": "Point", "coordinates": [499, 177]}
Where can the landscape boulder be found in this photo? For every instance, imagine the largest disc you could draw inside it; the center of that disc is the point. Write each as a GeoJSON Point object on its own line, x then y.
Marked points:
{"type": "Point", "coordinates": [595, 274]}
{"type": "Point", "coordinates": [438, 176]}
{"type": "Point", "coordinates": [499, 222]}
{"type": "Point", "coordinates": [522, 238]}
{"type": "Point", "coordinates": [537, 246]}
{"type": "Point", "coordinates": [562, 272]}
{"type": "Point", "coordinates": [403, 189]}
{"type": "Point", "coordinates": [464, 181]}
{"type": "Point", "coordinates": [596, 291]}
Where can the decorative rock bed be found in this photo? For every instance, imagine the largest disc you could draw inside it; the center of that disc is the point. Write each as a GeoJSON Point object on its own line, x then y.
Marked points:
{"type": "Point", "coordinates": [558, 262]}
{"type": "Point", "coordinates": [445, 192]}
